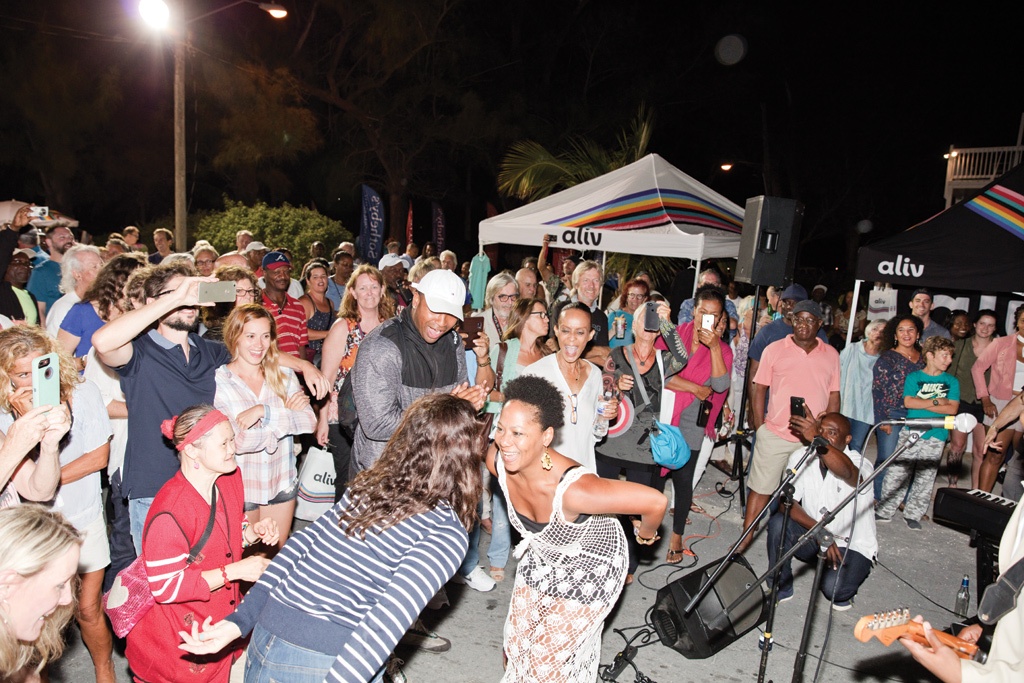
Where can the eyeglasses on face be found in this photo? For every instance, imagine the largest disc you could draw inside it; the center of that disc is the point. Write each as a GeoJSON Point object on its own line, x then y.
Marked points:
{"type": "Point", "coordinates": [542, 314]}
{"type": "Point", "coordinates": [245, 292]}
{"type": "Point", "coordinates": [505, 298]}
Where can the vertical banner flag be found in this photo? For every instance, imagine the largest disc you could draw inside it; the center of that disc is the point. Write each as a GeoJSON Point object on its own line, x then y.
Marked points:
{"type": "Point", "coordinates": [437, 220]}
{"type": "Point", "coordinates": [408, 226]}
{"type": "Point", "coordinates": [371, 231]}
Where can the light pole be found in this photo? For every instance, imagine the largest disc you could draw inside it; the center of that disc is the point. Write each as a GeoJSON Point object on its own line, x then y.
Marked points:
{"type": "Point", "coordinates": [157, 14]}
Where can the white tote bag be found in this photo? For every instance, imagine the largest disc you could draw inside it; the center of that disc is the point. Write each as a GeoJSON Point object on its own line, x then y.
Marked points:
{"type": "Point", "coordinates": [316, 485]}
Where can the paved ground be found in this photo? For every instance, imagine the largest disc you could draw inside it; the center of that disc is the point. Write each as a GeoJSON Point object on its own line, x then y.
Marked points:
{"type": "Point", "coordinates": [915, 569]}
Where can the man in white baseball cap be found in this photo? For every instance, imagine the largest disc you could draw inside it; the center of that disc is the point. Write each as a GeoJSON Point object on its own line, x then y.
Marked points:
{"type": "Point", "coordinates": [393, 268]}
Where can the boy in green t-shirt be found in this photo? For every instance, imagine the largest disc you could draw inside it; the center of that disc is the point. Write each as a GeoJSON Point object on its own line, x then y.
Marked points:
{"type": "Point", "coordinates": [931, 392]}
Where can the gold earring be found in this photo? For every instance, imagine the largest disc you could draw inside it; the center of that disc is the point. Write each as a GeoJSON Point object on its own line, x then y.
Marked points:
{"type": "Point", "coordinates": [545, 460]}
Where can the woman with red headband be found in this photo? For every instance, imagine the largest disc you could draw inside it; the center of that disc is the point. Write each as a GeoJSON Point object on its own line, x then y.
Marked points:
{"type": "Point", "coordinates": [206, 493]}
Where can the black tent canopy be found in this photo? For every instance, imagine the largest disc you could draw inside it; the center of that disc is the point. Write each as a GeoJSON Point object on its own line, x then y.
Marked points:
{"type": "Point", "coordinates": [975, 245]}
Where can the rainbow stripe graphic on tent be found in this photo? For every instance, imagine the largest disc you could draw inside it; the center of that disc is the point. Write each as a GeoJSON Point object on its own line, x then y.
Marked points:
{"type": "Point", "coordinates": [1002, 206]}
{"type": "Point", "coordinates": [652, 208]}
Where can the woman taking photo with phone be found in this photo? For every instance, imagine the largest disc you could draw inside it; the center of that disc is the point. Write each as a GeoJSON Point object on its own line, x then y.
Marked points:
{"type": "Point", "coordinates": [82, 456]}
{"type": "Point", "coordinates": [267, 407]}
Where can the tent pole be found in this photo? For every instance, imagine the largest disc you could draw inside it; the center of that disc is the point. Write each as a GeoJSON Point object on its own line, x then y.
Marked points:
{"type": "Point", "coordinates": [604, 269]}
{"type": "Point", "coordinates": [853, 311]}
{"type": "Point", "coordinates": [696, 275]}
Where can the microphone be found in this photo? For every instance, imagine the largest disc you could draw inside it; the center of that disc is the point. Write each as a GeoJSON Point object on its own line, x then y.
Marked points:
{"type": "Point", "coordinates": [961, 423]}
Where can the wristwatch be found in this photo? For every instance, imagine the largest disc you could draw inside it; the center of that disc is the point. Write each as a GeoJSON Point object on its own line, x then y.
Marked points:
{"type": "Point", "coordinates": [935, 401]}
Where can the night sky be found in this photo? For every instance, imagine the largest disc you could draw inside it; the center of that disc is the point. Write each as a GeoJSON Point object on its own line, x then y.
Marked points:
{"type": "Point", "coordinates": [854, 104]}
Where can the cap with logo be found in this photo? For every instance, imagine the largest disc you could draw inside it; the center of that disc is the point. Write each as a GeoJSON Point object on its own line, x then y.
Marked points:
{"type": "Point", "coordinates": [275, 259]}
{"type": "Point", "coordinates": [443, 291]}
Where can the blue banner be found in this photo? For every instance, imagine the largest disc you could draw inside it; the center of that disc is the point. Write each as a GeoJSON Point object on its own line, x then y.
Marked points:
{"type": "Point", "coordinates": [437, 220]}
{"type": "Point", "coordinates": [372, 228]}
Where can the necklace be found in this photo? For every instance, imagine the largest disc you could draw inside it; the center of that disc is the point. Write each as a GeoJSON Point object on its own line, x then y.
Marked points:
{"type": "Point", "coordinates": [575, 365]}
{"type": "Point", "coordinates": [642, 360]}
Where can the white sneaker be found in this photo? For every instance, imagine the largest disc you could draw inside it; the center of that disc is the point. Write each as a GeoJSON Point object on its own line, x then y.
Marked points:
{"type": "Point", "coordinates": [477, 579]}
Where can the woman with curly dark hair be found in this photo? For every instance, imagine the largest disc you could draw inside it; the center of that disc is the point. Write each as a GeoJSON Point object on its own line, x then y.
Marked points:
{"type": "Point", "coordinates": [899, 355]}
{"type": "Point", "coordinates": [343, 591]}
{"type": "Point", "coordinates": [103, 301]}
{"type": "Point", "coordinates": [573, 558]}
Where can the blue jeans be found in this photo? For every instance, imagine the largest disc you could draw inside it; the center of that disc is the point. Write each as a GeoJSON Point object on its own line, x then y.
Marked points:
{"type": "Point", "coordinates": [858, 434]}
{"type": "Point", "coordinates": [270, 659]}
{"type": "Point", "coordinates": [138, 509]}
{"type": "Point", "coordinates": [886, 445]}
{"type": "Point", "coordinates": [501, 534]}
{"type": "Point", "coordinates": [844, 584]}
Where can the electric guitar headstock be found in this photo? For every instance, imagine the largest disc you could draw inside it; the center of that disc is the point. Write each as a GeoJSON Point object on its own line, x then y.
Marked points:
{"type": "Point", "coordinates": [888, 626]}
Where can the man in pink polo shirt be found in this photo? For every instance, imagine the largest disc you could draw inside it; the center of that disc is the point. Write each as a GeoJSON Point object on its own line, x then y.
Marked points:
{"type": "Point", "coordinates": [801, 365]}
{"type": "Point", "coordinates": [292, 333]}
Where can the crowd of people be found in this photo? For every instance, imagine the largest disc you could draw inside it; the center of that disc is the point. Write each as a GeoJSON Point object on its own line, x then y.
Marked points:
{"type": "Point", "coordinates": [520, 416]}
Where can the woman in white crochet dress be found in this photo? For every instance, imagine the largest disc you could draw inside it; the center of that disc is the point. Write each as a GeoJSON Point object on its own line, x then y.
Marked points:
{"type": "Point", "coordinates": [573, 555]}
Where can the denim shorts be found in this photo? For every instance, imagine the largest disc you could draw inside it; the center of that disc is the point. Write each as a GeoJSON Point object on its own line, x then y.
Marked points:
{"type": "Point", "coordinates": [290, 493]}
{"type": "Point", "coordinates": [270, 659]}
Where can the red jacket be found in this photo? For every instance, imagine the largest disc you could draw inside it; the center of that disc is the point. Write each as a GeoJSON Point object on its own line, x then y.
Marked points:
{"type": "Point", "coordinates": [182, 596]}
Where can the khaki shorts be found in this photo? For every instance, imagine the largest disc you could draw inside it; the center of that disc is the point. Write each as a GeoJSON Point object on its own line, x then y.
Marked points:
{"type": "Point", "coordinates": [999, 403]}
{"type": "Point", "coordinates": [95, 553]}
{"type": "Point", "coordinates": [771, 453]}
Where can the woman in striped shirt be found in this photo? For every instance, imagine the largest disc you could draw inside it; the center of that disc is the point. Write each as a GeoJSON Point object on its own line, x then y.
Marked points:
{"type": "Point", "coordinates": [340, 594]}
{"type": "Point", "coordinates": [267, 407]}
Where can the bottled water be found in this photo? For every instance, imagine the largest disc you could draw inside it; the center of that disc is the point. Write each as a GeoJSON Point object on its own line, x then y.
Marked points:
{"type": "Point", "coordinates": [601, 422]}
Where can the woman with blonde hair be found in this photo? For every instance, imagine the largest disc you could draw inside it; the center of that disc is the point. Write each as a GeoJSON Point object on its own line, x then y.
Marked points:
{"type": "Point", "coordinates": [82, 456]}
{"type": "Point", "coordinates": [363, 308]}
{"type": "Point", "coordinates": [267, 407]}
{"type": "Point", "coordinates": [336, 600]}
{"type": "Point", "coordinates": [37, 570]}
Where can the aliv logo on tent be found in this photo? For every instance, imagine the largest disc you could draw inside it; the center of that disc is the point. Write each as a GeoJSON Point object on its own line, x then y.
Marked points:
{"type": "Point", "coordinates": [902, 267]}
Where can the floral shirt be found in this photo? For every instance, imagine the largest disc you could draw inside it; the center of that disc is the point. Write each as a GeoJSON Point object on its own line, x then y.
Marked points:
{"type": "Point", "coordinates": [890, 373]}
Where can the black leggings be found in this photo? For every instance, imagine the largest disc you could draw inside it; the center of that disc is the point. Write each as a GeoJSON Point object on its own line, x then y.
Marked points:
{"type": "Point", "coordinates": [682, 482]}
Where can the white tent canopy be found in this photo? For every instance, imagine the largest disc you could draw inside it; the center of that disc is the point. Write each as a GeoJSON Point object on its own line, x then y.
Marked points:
{"type": "Point", "coordinates": [648, 207]}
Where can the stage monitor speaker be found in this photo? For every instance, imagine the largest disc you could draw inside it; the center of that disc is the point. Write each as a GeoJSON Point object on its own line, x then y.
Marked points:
{"type": "Point", "coordinates": [694, 636]}
{"type": "Point", "coordinates": [768, 244]}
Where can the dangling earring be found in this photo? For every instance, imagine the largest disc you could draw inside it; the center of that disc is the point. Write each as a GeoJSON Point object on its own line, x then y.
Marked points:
{"type": "Point", "coordinates": [195, 464]}
{"type": "Point", "coordinates": [545, 460]}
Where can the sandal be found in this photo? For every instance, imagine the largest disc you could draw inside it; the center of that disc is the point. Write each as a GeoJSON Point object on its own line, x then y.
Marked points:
{"type": "Point", "coordinates": [498, 574]}
{"type": "Point", "coordinates": [696, 508]}
{"type": "Point", "coordinates": [674, 556]}
{"type": "Point", "coordinates": [629, 579]}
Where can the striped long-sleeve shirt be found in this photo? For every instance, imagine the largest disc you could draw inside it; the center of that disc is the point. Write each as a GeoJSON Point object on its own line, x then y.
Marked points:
{"type": "Point", "coordinates": [351, 597]}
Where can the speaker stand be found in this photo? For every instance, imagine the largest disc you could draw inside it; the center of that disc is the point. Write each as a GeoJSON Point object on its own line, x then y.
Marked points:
{"type": "Point", "coordinates": [739, 438]}
{"type": "Point", "coordinates": [766, 640]}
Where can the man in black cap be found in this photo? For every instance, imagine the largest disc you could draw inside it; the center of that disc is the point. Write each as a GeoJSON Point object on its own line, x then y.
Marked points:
{"type": "Point", "coordinates": [800, 365]}
{"type": "Point", "coordinates": [777, 329]}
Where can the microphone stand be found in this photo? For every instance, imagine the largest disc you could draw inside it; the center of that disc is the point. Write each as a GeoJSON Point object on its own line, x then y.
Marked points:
{"type": "Point", "coordinates": [720, 569]}
{"type": "Point", "coordinates": [765, 643]}
{"type": "Point", "coordinates": [827, 517]}
{"type": "Point", "coordinates": [824, 542]}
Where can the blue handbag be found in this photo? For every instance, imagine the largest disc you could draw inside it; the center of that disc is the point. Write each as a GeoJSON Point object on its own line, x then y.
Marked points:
{"type": "Point", "coordinates": [668, 446]}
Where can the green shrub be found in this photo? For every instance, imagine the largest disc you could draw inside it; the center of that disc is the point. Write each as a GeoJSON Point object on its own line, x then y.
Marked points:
{"type": "Point", "coordinates": [288, 226]}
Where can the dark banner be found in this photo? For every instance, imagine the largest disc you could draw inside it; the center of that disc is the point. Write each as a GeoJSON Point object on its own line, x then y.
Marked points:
{"type": "Point", "coordinates": [371, 231]}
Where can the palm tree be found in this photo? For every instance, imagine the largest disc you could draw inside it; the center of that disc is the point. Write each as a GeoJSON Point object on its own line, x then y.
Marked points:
{"type": "Point", "coordinates": [530, 172]}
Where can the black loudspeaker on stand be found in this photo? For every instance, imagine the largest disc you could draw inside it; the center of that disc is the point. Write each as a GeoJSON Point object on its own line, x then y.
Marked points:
{"type": "Point", "coordinates": [768, 244]}
{"type": "Point", "coordinates": [691, 636]}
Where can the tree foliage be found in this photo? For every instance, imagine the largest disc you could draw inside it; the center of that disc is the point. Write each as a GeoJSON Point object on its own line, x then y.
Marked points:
{"type": "Point", "coordinates": [293, 227]}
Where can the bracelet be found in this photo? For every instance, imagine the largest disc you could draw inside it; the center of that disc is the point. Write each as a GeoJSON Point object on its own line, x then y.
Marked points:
{"type": "Point", "coordinates": [245, 541]}
{"type": "Point", "coordinates": [482, 364]}
{"type": "Point", "coordinates": [224, 574]}
{"type": "Point", "coordinates": [646, 541]}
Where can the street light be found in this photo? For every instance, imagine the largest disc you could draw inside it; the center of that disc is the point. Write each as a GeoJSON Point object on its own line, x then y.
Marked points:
{"type": "Point", "coordinates": [157, 14]}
